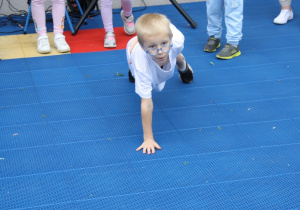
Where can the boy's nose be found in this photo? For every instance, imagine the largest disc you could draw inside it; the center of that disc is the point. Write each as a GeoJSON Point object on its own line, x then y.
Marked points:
{"type": "Point", "coordinates": [160, 51]}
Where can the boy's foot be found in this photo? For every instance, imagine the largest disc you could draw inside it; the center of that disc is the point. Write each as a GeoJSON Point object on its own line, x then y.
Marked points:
{"type": "Point", "coordinates": [188, 75]}
{"type": "Point", "coordinates": [228, 52]}
{"type": "Point", "coordinates": [130, 77]}
{"type": "Point", "coordinates": [61, 44]}
{"type": "Point", "coordinates": [284, 16]}
{"type": "Point", "coordinates": [212, 44]}
{"type": "Point", "coordinates": [110, 40]}
{"type": "Point", "coordinates": [43, 45]}
{"type": "Point", "coordinates": [129, 27]}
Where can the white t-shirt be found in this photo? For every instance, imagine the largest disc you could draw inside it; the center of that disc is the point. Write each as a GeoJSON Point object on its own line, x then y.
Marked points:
{"type": "Point", "coordinates": [147, 73]}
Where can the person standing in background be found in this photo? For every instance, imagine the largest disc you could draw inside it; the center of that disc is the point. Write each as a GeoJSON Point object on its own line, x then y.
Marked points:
{"type": "Point", "coordinates": [39, 18]}
{"type": "Point", "coordinates": [107, 18]}
{"type": "Point", "coordinates": [286, 12]}
{"type": "Point", "coordinates": [233, 10]}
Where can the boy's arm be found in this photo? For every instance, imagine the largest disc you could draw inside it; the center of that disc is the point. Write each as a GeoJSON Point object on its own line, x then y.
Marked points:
{"type": "Point", "coordinates": [132, 45]}
{"type": "Point", "coordinates": [149, 143]}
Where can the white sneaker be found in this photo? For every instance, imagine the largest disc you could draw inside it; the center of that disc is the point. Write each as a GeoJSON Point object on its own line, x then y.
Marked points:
{"type": "Point", "coordinates": [129, 27]}
{"type": "Point", "coordinates": [61, 44]}
{"type": "Point", "coordinates": [284, 16]}
{"type": "Point", "coordinates": [43, 45]}
{"type": "Point", "coordinates": [110, 40]}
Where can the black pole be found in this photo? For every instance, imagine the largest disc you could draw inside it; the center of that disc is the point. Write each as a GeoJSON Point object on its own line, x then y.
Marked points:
{"type": "Point", "coordinates": [185, 15]}
{"type": "Point", "coordinates": [84, 16]}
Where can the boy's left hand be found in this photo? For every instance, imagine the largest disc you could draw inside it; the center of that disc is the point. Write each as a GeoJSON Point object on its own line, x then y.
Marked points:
{"type": "Point", "coordinates": [149, 146]}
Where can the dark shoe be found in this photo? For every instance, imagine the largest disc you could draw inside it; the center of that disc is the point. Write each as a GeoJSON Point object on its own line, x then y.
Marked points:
{"type": "Point", "coordinates": [229, 51]}
{"type": "Point", "coordinates": [212, 44]}
{"type": "Point", "coordinates": [130, 77]}
{"type": "Point", "coordinates": [188, 75]}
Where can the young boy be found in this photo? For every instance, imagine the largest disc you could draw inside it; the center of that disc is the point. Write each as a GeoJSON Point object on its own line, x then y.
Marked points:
{"type": "Point", "coordinates": [151, 62]}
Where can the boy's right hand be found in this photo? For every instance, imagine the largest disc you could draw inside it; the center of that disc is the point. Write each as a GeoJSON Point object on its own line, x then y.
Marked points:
{"type": "Point", "coordinates": [148, 146]}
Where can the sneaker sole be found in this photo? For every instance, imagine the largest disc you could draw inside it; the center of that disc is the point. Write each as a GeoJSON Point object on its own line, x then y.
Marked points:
{"type": "Point", "coordinates": [44, 52]}
{"type": "Point", "coordinates": [110, 46]}
{"type": "Point", "coordinates": [214, 50]}
{"type": "Point", "coordinates": [230, 57]}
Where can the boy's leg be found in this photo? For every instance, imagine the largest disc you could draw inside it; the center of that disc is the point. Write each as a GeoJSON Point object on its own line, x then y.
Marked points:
{"type": "Point", "coordinates": [127, 17]}
{"type": "Point", "coordinates": [234, 23]}
{"type": "Point", "coordinates": [214, 9]}
{"type": "Point", "coordinates": [186, 73]}
{"type": "Point", "coordinates": [58, 14]}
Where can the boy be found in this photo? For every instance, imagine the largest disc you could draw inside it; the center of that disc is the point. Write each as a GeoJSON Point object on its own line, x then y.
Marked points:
{"type": "Point", "coordinates": [151, 62]}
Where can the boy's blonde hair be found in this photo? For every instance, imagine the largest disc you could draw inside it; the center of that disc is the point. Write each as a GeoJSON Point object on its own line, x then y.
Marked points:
{"type": "Point", "coordinates": [152, 24]}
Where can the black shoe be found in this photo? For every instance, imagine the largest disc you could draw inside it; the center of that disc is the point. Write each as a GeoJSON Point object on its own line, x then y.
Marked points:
{"type": "Point", "coordinates": [212, 44]}
{"type": "Point", "coordinates": [188, 75]}
{"type": "Point", "coordinates": [130, 77]}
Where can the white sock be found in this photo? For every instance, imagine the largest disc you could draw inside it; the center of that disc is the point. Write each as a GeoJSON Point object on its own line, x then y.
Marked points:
{"type": "Point", "coordinates": [183, 69]}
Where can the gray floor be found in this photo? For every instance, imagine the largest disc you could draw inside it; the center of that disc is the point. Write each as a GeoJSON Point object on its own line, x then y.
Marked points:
{"type": "Point", "coordinates": [6, 9]}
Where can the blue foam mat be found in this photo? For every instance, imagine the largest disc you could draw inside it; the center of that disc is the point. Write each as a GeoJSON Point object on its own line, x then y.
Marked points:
{"type": "Point", "coordinates": [70, 124]}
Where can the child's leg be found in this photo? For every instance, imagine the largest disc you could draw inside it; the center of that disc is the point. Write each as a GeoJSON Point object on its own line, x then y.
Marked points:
{"type": "Point", "coordinates": [106, 14]}
{"type": "Point", "coordinates": [127, 7]}
{"type": "Point", "coordinates": [127, 17]}
{"type": "Point", "coordinates": [39, 17]}
{"type": "Point", "coordinates": [58, 14]}
{"type": "Point", "coordinates": [180, 62]}
{"type": "Point", "coordinates": [186, 73]}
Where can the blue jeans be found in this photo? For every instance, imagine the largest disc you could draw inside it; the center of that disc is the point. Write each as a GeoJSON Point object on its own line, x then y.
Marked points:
{"type": "Point", "coordinates": [233, 19]}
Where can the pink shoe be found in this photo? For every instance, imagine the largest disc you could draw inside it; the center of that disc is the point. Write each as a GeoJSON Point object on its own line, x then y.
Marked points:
{"type": "Point", "coordinates": [109, 40]}
{"type": "Point", "coordinates": [129, 27]}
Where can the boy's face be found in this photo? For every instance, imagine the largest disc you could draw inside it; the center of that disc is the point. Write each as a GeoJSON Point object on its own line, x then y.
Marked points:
{"type": "Point", "coordinates": [154, 42]}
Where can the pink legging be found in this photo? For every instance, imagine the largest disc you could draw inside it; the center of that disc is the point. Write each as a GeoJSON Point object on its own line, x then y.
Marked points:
{"type": "Point", "coordinates": [106, 12]}
{"type": "Point", "coordinates": [39, 17]}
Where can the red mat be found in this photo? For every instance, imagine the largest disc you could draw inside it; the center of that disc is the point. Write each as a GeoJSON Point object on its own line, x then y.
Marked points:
{"type": "Point", "coordinates": [92, 40]}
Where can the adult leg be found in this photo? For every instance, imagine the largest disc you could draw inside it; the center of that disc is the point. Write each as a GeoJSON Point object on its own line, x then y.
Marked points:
{"type": "Point", "coordinates": [286, 12]}
{"type": "Point", "coordinates": [285, 4]}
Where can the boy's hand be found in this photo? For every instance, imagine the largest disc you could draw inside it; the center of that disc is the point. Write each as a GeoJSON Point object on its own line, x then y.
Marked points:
{"type": "Point", "coordinates": [132, 44]}
{"type": "Point", "coordinates": [148, 146]}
